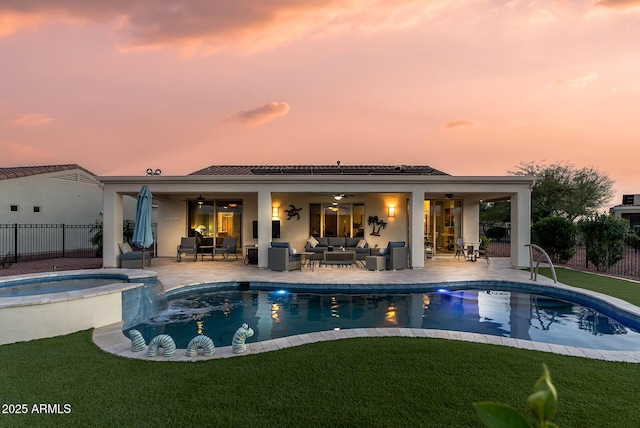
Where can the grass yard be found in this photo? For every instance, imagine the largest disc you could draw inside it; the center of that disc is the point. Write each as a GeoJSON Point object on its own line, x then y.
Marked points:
{"type": "Point", "coordinates": [364, 382]}
{"type": "Point", "coordinates": [620, 288]}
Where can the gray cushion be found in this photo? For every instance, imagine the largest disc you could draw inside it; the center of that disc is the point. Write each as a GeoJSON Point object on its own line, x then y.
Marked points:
{"type": "Point", "coordinates": [352, 242]}
{"type": "Point", "coordinates": [323, 242]}
{"type": "Point", "coordinates": [135, 255]}
{"type": "Point", "coordinates": [392, 244]}
{"type": "Point", "coordinates": [282, 245]}
{"type": "Point", "coordinates": [336, 242]}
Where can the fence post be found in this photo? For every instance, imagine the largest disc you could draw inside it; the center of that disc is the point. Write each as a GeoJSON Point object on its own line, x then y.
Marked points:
{"type": "Point", "coordinates": [63, 243]}
{"type": "Point", "coordinates": [15, 243]}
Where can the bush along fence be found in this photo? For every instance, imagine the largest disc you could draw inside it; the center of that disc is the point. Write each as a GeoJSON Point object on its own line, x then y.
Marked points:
{"type": "Point", "coordinates": [628, 267]}
{"type": "Point", "coordinates": [22, 242]}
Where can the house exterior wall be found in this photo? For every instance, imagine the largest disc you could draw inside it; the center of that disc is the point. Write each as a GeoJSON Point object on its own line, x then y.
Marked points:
{"type": "Point", "coordinates": [69, 197]}
{"type": "Point", "coordinates": [260, 193]}
{"type": "Point", "coordinates": [628, 211]}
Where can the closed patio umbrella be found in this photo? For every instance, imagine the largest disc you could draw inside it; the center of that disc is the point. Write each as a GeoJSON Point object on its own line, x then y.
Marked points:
{"type": "Point", "coordinates": [142, 233]}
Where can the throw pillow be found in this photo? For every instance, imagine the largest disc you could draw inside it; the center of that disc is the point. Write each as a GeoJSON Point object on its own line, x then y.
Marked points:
{"type": "Point", "coordinates": [125, 248]}
{"type": "Point", "coordinates": [361, 243]}
{"type": "Point", "coordinates": [294, 251]}
{"type": "Point", "coordinates": [313, 242]}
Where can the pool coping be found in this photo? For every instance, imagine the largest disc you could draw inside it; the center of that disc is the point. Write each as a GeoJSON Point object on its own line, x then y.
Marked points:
{"type": "Point", "coordinates": [132, 275]}
{"type": "Point", "coordinates": [111, 338]}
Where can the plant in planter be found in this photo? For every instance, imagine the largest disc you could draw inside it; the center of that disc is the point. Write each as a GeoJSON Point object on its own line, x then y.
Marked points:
{"type": "Point", "coordinates": [375, 221]}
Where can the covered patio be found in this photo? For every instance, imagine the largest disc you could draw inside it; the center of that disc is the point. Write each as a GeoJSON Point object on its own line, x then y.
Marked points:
{"type": "Point", "coordinates": [423, 207]}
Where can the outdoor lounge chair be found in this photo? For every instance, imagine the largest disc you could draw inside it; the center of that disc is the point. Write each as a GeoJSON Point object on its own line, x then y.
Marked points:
{"type": "Point", "coordinates": [228, 247]}
{"type": "Point", "coordinates": [188, 246]}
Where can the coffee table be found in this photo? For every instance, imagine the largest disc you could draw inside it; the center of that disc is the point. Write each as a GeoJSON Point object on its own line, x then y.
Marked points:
{"type": "Point", "coordinates": [338, 257]}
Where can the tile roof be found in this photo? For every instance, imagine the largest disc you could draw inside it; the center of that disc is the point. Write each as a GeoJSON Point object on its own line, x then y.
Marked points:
{"type": "Point", "coordinates": [318, 170]}
{"type": "Point", "coordinates": [25, 171]}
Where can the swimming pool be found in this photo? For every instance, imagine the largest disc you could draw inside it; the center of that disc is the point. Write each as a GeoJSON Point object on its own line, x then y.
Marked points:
{"type": "Point", "coordinates": [484, 310]}
{"type": "Point", "coordinates": [57, 284]}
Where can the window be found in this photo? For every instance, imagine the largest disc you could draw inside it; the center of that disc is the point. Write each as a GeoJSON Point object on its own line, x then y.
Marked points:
{"type": "Point", "coordinates": [335, 219]}
{"type": "Point", "coordinates": [216, 219]}
{"type": "Point", "coordinates": [36, 209]}
{"type": "Point", "coordinates": [14, 208]}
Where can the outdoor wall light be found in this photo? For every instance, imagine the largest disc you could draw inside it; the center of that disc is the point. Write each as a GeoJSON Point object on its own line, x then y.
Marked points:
{"type": "Point", "coordinates": [392, 211]}
{"type": "Point", "coordinates": [275, 212]}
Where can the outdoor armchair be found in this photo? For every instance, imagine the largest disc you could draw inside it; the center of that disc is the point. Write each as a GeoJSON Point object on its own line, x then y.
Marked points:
{"type": "Point", "coordinates": [396, 254]}
{"type": "Point", "coordinates": [188, 246]}
{"type": "Point", "coordinates": [282, 257]}
{"type": "Point", "coordinates": [228, 247]}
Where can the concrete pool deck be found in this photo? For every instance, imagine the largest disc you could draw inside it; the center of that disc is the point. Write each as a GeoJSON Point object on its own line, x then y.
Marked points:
{"type": "Point", "coordinates": [437, 270]}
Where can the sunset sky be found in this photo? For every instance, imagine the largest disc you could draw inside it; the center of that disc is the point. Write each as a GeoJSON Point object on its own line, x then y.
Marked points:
{"type": "Point", "coordinates": [469, 87]}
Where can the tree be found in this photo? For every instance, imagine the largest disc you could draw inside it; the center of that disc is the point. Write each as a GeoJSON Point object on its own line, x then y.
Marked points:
{"type": "Point", "coordinates": [604, 236]}
{"type": "Point", "coordinates": [493, 212]}
{"type": "Point", "coordinates": [557, 236]}
{"type": "Point", "coordinates": [561, 190]}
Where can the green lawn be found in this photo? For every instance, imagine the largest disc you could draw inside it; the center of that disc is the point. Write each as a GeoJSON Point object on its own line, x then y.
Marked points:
{"type": "Point", "coordinates": [353, 382]}
{"type": "Point", "coordinates": [620, 288]}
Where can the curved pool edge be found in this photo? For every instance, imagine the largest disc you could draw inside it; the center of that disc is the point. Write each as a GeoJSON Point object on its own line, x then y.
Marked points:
{"type": "Point", "coordinates": [131, 275]}
{"type": "Point", "coordinates": [111, 338]}
{"type": "Point", "coordinates": [54, 314]}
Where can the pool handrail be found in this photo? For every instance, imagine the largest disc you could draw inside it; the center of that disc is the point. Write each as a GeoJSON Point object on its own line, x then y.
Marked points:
{"type": "Point", "coordinates": [534, 272]}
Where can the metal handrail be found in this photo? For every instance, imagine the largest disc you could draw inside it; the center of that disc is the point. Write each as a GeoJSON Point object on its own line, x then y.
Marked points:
{"type": "Point", "coordinates": [534, 273]}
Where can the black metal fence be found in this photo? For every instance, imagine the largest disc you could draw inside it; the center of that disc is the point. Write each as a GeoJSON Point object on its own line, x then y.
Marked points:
{"type": "Point", "coordinates": [628, 267]}
{"type": "Point", "coordinates": [22, 242]}
{"type": "Point", "coordinates": [19, 242]}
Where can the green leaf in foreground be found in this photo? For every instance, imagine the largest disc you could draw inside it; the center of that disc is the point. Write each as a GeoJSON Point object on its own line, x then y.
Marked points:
{"type": "Point", "coordinates": [497, 415]}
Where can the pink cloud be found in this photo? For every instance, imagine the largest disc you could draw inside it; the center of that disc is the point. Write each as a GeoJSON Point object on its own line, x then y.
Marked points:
{"type": "Point", "coordinates": [204, 27]}
{"type": "Point", "coordinates": [619, 4]}
{"type": "Point", "coordinates": [28, 120]}
{"type": "Point", "coordinates": [581, 80]}
{"type": "Point", "coordinates": [260, 115]}
{"type": "Point", "coordinates": [14, 154]}
{"type": "Point", "coordinates": [458, 124]}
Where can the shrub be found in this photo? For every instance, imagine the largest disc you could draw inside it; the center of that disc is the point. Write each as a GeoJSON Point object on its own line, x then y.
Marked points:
{"type": "Point", "coordinates": [604, 237]}
{"type": "Point", "coordinates": [496, 233]}
{"type": "Point", "coordinates": [557, 236]}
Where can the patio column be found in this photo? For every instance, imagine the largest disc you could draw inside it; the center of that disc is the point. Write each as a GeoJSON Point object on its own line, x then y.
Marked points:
{"type": "Point", "coordinates": [264, 227]}
{"type": "Point", "coordinates": [111, 227]}
{"type": "Point", "coordinates": [520, 228]}
{"type": "Point", "coordinates": [416, 228]}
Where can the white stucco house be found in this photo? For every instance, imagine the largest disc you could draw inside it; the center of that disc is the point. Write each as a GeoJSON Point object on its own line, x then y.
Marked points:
{"type": "Point", "coordinates": [422, 206]}
{"type": "Point", "coordinates": [52, 194]}
{"type": "Point", "coordinates": [629, 209]}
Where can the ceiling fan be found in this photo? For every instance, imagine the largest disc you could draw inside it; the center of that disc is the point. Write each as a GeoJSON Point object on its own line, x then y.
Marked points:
{"type": "Point", "coordinates": [340, 196]}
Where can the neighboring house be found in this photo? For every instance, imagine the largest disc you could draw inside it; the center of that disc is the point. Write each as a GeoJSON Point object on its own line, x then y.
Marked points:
{"type": "Point", "coordinates": [629, 209]}
{"type": "Point", "coordinates": [422, 206]}
{"type": "Point", "coordinates": [51, 205]}
{"type": "Point", "coordinates": [53, 194]}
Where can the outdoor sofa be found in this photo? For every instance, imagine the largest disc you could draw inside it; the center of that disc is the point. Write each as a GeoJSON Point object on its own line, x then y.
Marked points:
{"type": "Point", "coordinates": [359, 245]}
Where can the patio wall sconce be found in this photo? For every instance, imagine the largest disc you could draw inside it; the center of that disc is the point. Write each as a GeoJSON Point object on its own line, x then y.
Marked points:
{"type": "Point", "coordinates": [392, 211]}
{"type": "Point", "coordinates": [275, 212]}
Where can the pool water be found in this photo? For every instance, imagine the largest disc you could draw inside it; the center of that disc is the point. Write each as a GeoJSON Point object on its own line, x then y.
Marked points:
{"type": "Point", "coordinates": [26, 288]}
{"type": "Point", "coordinates": [274, 314]}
